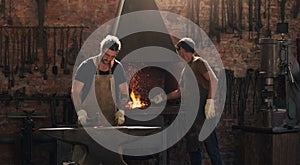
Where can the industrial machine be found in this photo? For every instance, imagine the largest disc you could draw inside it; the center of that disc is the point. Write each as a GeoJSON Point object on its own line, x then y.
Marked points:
{"type": "Point", "coordinates": [279, 76]}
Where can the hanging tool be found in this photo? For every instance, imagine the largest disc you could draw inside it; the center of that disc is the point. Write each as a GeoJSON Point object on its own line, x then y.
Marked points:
{"type": "Point", "coordinates": [28, 60]}
{"type": "Point", "coordinates": [17, 40]}
{"type": "Point", "coordinates": [73, 50]}
{"type": "Point", "coordinates": [45, 54]}
{"type": "Point", "coordinates": [193, 18]}
{"type": "Point", "coordinates": [224, 22]}
{"type": "Point", "coordinates": [3, 9]}
{"type": "Point", "coordinates": [282, 10]}
{"type": "Point", "coordinates": [234, 15]}
{"type": "Point", "coordinates": [240, 14]}
{"type": "Point", "coordinates": [296, 9]}
{"type": "Point", "coordinates": [235, 12]}
{"type": "Point", "coordinates": [66, 70]}
{"type": "Point", "coordinates": [197, 8]}
{"type": "Point", "coordinates": [265, 9]}
{"type": "Point", "coordinates": [258, 20]}
{"type": "Point", "coordinates": [230, 16]}
{"type": "Point", "coordinates": [1, 58]}
{"type": "Point", "coordinates": [11, 79]}
{"type": "Point", "coordinates": [54, 67]}
{"type": "Point", "coordinates": [9, 19]}
{"type": "Point", "coordinates": [214, 20]}
{"type": "Point", "coordinates": [22, 68]}
{"type": "Point", "coordinates": [6, 55]}
{"type": "Point", "coordinates": [239, 26]}
{"type": "Point", "coordinates": [9, 64]}
{"type": "Point", "coordinates": [189, 15]}
{"type": "Point", "coordinates": [198, 21]}
{"type": "Point", "coordinates": [211, 30]}
{"type": "Point", "coordinates": [60, 51]}
{"type": "Point", "coordinates": [250, 18]}
{"type": "Point", "coordinates": [35, 48]}
{"type": "Point", "coordinates": [32, 46]}
{"type": "Point", "coordinates": [268, 31]}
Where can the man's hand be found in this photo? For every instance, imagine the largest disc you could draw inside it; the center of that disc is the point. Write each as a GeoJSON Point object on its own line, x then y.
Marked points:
{"type": "Point", "coordinates": [210, 111]}
{"type": "Point", "coordinates": [82, 117]}
{"type": "Point", "coordinates": [158, 98]}
{"type": "Point", "coordinates": [120, 117]}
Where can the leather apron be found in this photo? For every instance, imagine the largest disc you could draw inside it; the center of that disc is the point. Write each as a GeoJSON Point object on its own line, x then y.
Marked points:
{"type": "Point", "coordinates": [99, 102]}
{"type": "Point", "coordinates": [104, 89]}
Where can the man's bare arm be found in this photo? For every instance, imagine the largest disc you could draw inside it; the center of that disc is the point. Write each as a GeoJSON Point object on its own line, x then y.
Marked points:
{"type": "Point", "coordinates": [213, 83]}
{"type": "Point", "coordinates": [76, 92]}
{"type": "Point", "coordinates": [174, 94]}
{"type": "Point", "coordinates": [124, 98]}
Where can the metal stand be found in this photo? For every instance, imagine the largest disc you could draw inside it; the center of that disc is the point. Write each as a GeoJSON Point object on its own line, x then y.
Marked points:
{"type": "Point", "coordinates": [26, 130]}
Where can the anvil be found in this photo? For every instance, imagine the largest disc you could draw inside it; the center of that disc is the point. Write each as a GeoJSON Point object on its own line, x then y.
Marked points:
{"type": "Point", "coordinates": [88, 137]}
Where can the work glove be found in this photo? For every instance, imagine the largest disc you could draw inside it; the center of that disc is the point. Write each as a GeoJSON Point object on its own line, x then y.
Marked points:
{"type": "Point", "coordinates": [82, 117]}
{"type": "Point", "coordinates": [120, 117]}
{"type": "Point", "coordinates": [158, 98]}
{"type": "Point", "coordinates": [210, 111]}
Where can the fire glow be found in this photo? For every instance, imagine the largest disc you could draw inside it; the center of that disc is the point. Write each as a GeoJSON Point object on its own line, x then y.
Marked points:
{"type": "Point", "coordinates": [136, 101]}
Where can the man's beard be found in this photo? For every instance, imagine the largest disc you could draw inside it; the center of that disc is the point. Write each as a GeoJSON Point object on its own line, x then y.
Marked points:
{"type": "Point", "coordinates": [105, 61]}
